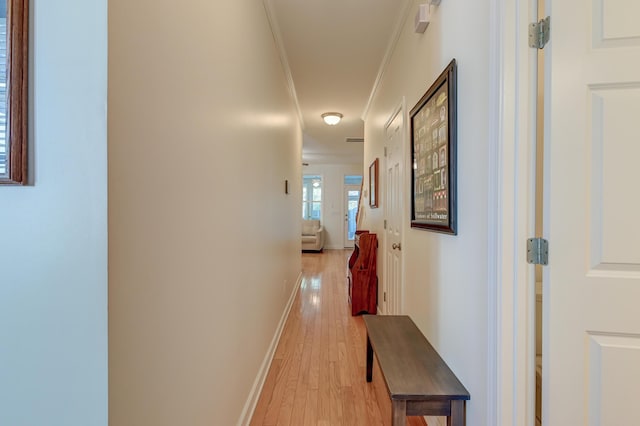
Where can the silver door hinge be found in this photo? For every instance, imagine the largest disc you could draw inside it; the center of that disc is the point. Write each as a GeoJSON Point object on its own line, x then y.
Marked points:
{"type": "Point", "coordinates": [537, 251]}
{"type": "Point", "coordinates": [385, 151]}
{"type": "Point", "coordinates": [385, 224]}
{"type": "Point", "coordinates": [539, 33]}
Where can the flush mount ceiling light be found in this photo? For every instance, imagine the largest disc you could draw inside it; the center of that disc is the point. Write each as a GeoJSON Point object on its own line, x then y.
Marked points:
{"type": "Point", "coordinates": [331, 118]}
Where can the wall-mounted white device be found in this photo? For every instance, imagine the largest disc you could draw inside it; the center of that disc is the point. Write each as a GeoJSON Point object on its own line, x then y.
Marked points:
{"type": "Point", "coordinates": [422, 18]}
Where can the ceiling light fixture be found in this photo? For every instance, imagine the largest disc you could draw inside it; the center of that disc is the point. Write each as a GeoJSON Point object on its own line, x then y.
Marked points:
{"type": "Point", "coordinates": [332, 118]}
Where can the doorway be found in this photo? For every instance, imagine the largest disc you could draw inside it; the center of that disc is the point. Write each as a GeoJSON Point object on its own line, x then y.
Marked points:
{"type": "Point", "coordinates": [590, 287]}
{"type": "Point", "coordinates": [351, 200]}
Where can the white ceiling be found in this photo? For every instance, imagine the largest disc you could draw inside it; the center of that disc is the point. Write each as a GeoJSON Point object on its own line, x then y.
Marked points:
{"type": "Point", "coordinates": [333, 52]}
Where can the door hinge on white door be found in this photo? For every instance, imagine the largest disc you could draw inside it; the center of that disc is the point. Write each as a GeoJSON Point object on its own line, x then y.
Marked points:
{"type": "Point", "coordinates": [537, 251]}
{"type": "Point", "coordinates": [539, 33]}
{"type": "Point", "coordinates": [385, 151]}
{"type": "Point", "coordinates": [385, 224]}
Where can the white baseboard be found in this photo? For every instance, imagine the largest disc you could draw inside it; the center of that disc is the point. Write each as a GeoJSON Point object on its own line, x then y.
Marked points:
{"type": "Point", "coordinates": [256, 389]}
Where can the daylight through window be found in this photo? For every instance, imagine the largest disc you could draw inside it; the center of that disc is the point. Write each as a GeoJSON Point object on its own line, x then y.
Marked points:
{"type": "Point", "coordinates": [3, 89]}
{"type": "Point", "coordinates": [311, 197]}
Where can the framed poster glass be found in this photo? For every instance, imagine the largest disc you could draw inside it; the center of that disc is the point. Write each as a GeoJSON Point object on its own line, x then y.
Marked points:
{"type": "Point", "coordinates": [433, 156]}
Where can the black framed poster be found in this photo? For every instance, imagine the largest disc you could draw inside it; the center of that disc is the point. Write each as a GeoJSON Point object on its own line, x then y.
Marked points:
{"type": "Point", "coordinates": [433, 156]}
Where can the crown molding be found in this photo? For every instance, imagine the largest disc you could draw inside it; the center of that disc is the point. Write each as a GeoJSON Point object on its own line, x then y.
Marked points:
{"type": "Point", "coordinates": [277, 37]}
{"type": "Point", "coordinates": [391, 47]}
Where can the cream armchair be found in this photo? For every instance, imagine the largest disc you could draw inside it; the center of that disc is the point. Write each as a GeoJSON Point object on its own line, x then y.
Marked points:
{"type": "Point", "coordinates": [312, 235]}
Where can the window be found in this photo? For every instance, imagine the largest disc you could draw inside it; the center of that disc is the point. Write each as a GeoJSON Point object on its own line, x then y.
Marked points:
{"type": "Point", "coordinates": [311, 197]}
{"type": "Point", "coordinates": [3, 89]}
{"type": "Point", "coordinates": [14, 20]}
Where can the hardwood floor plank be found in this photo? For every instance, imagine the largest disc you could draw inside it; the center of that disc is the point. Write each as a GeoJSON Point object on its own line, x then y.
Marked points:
{"type": "Point", "coordinates": [324, 387]}
{"type": "Point", "coordinates": [275, 401]}
{"type": "Point", "coordinates": [343, 365]}
{"type": "Point", "coordinates": [336, 395]}
{"type": "Point", "coordinates": [314, 368]}
{"type": "Point", "coordinates": [288, 397]}
{"type": "Point", "coordinates": [349, 416]}
{"type": "Point", "coordinates": [300, 400]}
{"type": "Point", "coordinates": [311, 408]}
{"type": "Point", "coordinates": [299, 405]}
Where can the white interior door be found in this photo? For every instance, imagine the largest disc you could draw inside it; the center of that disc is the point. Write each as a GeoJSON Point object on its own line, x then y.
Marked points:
{"type": "Point", "coordinates": [394, 213]}
{"type": "Point", "coordinates": [591, 317]}
{"type": "Point", "coordinates": [351, 200]}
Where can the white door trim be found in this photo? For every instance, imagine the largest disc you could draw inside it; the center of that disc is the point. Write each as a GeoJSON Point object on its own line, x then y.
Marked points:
{"type": "Point", "coordinates": [511, 374]}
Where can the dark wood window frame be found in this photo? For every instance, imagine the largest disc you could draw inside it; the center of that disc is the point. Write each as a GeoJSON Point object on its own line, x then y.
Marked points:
{"type": "Point", "coordinates": [17, 93]}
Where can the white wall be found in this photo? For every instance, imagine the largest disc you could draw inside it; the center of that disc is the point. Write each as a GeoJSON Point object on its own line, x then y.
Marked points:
{"type": "Point", "coordinates": [446, 276]}
{"type": "Point", "coordinates": [204, 246]}
{"type": "Point", "coordinates": [333, 208]}
{"type": "Point", "coordinates": [53, 234]}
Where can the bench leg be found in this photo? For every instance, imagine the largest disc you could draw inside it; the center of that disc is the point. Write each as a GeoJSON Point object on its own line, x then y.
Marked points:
{"type": "Point", "coordinates": [457, 413]}
{"type": "Point", "coordinates": [399, 413]}
{"type": "Point", "coordinates": [369, 360]}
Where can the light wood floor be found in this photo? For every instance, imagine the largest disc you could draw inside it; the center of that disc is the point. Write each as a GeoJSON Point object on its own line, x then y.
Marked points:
{"type": "Point", "coordinates": [318, 372]}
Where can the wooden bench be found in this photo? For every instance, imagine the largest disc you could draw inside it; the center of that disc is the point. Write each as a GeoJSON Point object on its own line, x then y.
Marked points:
{"type": "Point", "coordinates": [419, 382]}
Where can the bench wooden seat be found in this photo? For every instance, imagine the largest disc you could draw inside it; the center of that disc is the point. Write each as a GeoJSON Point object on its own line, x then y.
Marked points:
{"type": "Point", "coordinates": [418, 380]}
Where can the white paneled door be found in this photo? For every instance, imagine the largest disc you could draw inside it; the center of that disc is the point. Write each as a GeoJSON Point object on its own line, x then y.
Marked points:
{"type": "Point", "coordinates": [393, 204]}
{"type": "Point", "coordinates": [592, 214]}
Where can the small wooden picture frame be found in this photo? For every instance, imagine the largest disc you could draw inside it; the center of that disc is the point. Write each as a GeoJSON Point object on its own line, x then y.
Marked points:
{"type": "Point", "coordinates": [373, 184]}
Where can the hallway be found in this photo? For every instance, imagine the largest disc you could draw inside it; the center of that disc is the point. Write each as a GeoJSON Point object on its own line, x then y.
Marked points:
{"type": "Point", "coordinates": [317, 375]}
